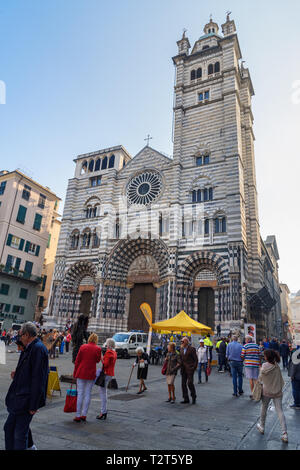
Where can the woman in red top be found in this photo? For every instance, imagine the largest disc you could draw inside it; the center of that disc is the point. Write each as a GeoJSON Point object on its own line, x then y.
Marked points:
{"type": "Point", "coordinates": [85, 373]}
{"type": "Point", "coordinates": [109, 360]}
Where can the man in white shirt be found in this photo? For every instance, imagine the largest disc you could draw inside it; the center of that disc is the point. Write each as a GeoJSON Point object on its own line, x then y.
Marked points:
{"type": "Point", "coordinates": [203, 360]}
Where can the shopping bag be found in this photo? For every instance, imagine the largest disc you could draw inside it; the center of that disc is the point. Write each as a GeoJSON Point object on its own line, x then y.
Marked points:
{"type": "Point", "coordinates": [164, 368]}
{"type": "Point", "coordinates": [257, 391]}
{"type": "Point", "coordinates": [208, 370]}
{"type": "Point", "coordinates": [100, 380]}
{"type": "Point", "coordinates": [71, 401]}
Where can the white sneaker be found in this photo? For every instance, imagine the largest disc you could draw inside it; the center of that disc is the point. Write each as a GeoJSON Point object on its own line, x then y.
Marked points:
{"type": "Point", "coordinates": [284, 437]}
{"type": "Point", "coordinates": [260, 428]}
{"type": "Point", "coordinates": [34, 447]}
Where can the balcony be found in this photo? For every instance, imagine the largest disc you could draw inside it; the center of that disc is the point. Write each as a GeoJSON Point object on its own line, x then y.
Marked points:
{"type": "Point", "coordinates": [13, 272]}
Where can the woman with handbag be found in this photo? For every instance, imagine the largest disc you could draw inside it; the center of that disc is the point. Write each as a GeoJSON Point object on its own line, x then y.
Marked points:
{"type": "Point", "coordinates": [272, 385]}
{"type": "Point", "coordinates": [108, 372]}
{"type": "Point", "coordinates": [142, 360]}
{"type": "Point", "coordinates": [173, 363]}
{"type": "Point", "coordinates": [85, 373]}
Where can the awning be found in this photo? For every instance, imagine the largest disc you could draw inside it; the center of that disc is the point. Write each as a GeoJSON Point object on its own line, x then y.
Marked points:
{"type": "Point", "coordinates": [181, 323]}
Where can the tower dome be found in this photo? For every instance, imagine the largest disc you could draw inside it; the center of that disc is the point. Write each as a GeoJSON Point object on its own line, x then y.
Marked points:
{"type": "Point", "coordinates": [211, 28]}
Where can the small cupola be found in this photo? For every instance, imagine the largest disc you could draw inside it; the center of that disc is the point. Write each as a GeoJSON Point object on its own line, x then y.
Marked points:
{"type": "Point", "coordinates": [211, 28]}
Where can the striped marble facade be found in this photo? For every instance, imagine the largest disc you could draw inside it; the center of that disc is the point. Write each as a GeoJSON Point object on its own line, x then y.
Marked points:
{"type": "Point", "coordinates": [220, 128]}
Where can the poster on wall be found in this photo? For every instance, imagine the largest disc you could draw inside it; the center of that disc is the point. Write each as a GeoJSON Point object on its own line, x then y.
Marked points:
{"type": "Point", "coordinates": [250, 330]}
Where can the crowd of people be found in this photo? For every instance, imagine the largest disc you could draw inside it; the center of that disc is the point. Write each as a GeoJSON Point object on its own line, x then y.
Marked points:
{"type": "Point", "coordinates": [258, 363]}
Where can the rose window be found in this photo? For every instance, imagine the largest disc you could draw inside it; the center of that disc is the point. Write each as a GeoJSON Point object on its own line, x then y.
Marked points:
{"type": "Point", "coordinates": [144, 188]}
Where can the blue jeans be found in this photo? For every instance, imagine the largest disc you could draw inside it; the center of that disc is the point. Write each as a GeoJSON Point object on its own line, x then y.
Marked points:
{"type": "Point", "coordinates": [237, 376]}
{"type": "Point", "coordinates": [296, 391]}
{"type": "Point", "coordinates": [285, 361]}
{"type": "Point", "coordinates": [202, 366]}
{"type": "Point", "coordinates": [16, 431]}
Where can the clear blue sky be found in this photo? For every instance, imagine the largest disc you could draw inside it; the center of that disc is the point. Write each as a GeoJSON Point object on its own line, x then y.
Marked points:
{"type": "Point", "coordinates": [88, 74]}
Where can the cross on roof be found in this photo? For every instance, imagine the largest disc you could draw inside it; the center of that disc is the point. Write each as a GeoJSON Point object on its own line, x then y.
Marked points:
{"type": "Point", "coordinates": [148, 138]}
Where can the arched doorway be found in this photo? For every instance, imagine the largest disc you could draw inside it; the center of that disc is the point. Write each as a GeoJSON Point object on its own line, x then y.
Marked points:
{"type": "Point", "coordinates": [85, 302]}
{"type": "Point", "coordinates": [138, 294]}
{"type": "Point", "coordinates": [143, 272]}
{"type": "Point", "coordinates": [206, 306]}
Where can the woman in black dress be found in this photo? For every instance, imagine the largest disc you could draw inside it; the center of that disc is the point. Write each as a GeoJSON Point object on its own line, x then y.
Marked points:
{"type": "Point", "coordinates": [142, 360]}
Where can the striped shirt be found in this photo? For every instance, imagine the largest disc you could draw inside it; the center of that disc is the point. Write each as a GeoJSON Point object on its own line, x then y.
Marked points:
{"type": "Point", "coordinates": [251, 355]}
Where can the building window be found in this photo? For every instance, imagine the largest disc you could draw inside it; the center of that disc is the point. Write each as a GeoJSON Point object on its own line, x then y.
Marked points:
{"type": "Point", "coordinates": [28, 267]}
{"type": "Point", "coordinates": [23, 293]}
{"type": "Point", "coordinates": [220, 225]}
{"type": "Point", "coordinates": [42, 200]}
{"type": "Point", "coordinates": [2, 187]}
{"type": "Point", "coordinates": [75, 240]}
{"type": "Point", "coordinates": [111, 162]}
{"type": "Point", "coordinates": [217, 67]}
{"type": "Point", "coordinates": [205, 47]}
{"type": "Point", "coordinates": [97, 165]}
{"type": "Point", "coordinates": [203, 96]}
{"type": "Point", "coordinates": [199, 72]}
{"type": "Point", "coordinates": [4, 289]}
{"type": "Point", "coordinates": [12, 262]}
{"type": "Point", "coordinates": [15, 242]}
{"type": "Point", "coordinates": [91, 165]}
{"type": "Point", "coordinates": [37, 222]}
{"type": "Point", "coordinates": [41, 301]}
{"type": "Point", "coordinates": [96, 240]}
{"type": "Point", "coordinates": [96, 181]}
{"type": "Point", "coordinates": [21, 214]}
{"type": "Point", "coordinates": [210, 194]}
{"type": "Point", "coordinates": [206, 226]}
{"type": "Point", "coordinates": [202, 160]}
{"type": "Point", "coordinates": [44, 280]}
{"type": "Point", "coordinates": [104, 163]}
{"type": "Point", "coordinates": [86, 239]}
{"type": "Point", "coordinates": [193, 74]}
{"type": "Point", "coordinates": [26, 192]}
{"type": "Point", "coordinates": [210, 69]}
{"type": "Point", "coordinates": [18, 309]}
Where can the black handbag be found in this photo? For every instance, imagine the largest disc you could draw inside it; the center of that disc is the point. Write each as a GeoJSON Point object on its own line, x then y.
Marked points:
{"type": "Point", "coordinates": [100, 381]}
{"type": "Point", "coordinates": [113, 384]}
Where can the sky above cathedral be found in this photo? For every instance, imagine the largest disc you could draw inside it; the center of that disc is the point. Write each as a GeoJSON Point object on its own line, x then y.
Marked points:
{"type": "Point", "coordinates": [83, 75]}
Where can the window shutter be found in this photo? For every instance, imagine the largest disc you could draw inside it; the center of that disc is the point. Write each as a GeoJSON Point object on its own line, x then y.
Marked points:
{"type": "Point", "coordinates": [28, 267]}
{"type": "Point", "coordinates": [18, 262]}
{"type": "Point", "coordinates": [27, 247]}
{"type": "Point", "coordinates": [21, 214]}
{"type": "Point", "coordinates": [7, 308]}
{"type": "Point", "coordinates": [37, 250]}
{"type": "Point", "coordinates": [22, 241]}
{"type": "Point", "coordinates": [9, 239]}
{"type": "Point", "coordinates": [37, 222]}
{"type": "Point", "coordinates": [21, 310]}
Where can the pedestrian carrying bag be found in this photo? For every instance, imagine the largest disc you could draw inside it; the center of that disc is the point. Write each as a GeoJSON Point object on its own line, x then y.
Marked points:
{"type": "Point", "coordinates": [71, 400]}
{"type": "Point", "coordinates": [164, 368]}
{"type": "Point", "coordinates": [100, 380]}
{"type": "Point", "coordinates": [257, 391]}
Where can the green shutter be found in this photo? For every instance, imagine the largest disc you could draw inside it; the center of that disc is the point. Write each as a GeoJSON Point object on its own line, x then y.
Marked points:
{"type": "Point", "coordinates": [22, 311]}
{"type": "Point", "coordinates": [27, 247]}
{"type": "Point", "coordinates": [9, 239]}
{"type": "Point", "coordinates": [37, 250]}
{"type": "Point", "coordinates": [7, 308]}
{"type": "Point", "coordinates": [37, 222]}
{"type": "Point", "coordinates": [21, 214]}
{"type": "Point", "coordinates": [21, 244]}
{"type": "Point", "coordinates": [18, 262]}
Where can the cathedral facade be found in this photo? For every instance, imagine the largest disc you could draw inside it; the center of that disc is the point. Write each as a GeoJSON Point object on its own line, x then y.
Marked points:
{"type": "Point", "coordinates": [178, 232]}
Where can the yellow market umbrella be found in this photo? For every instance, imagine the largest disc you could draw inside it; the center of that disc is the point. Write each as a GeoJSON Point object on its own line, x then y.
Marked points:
{"type": "Point", "coordinates": [181, 322]}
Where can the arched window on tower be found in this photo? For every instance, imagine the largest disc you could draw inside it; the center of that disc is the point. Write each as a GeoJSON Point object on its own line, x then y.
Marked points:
{"type": "Point", "coordinates": [97, 165]}
{"type": "Point", "coordinates": [220, 224]}
{"type": "Point", "coordinates": [206, 226]}
{"type": "Point", "coordinates": [199, 72]}
{"type": "Point", "coordinates": [193, 74]}
{"type": "Point", "coordinates": [84, 167]}
{"type": "Point", "coordinates": [217, 67]}
{"type": "Point", "coordinates": [74, 240]}
{"type": "Point", "coordinates": [111, 162]}
{"type": "Point", "coordinates": [104, 163]}
{"type": "Point", "coordinates": [199, 198]}
{"type": "Point", "coordinates": [91, 165]}
{"type": "Point", "coordinates": [96, 240]}
{"type": "Point", "coordinates": [86, 239]}
{"type": "Point", "coordinates": [210, 69]}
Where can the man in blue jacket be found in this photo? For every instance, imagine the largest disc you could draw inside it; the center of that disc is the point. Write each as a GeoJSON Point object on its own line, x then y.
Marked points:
{"type": "Point", "coordinates": [27, 392]}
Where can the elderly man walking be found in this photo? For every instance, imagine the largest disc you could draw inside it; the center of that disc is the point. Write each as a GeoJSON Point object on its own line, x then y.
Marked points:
{"type": "Point", "coordinates": [233, 354]}
{"type": "Point", "coordinates": [27, 392]}
{"type": "Point", "coordinates": [189, 363]}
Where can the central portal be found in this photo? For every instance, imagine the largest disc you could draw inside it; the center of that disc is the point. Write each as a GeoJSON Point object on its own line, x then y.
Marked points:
{"type": "Point", "coordinates": [206, 306]}
{"type": "Point", "coordinates": [138, 294]}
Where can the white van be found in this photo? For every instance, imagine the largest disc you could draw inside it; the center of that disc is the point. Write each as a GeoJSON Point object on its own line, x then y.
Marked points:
{"type": "Point", "coordinates": [127, 342]}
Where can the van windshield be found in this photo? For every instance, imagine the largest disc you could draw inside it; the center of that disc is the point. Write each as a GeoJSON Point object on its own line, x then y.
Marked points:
{"type": "Point", "coordinates": [120, 338]}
